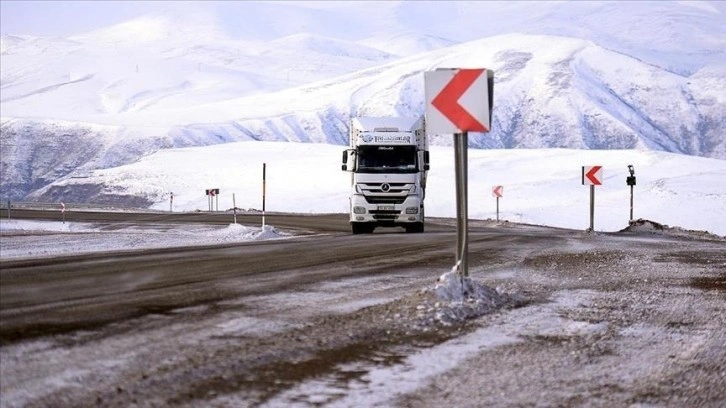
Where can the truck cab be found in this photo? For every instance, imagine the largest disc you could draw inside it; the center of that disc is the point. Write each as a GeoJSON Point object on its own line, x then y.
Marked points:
{"type": "Point", "coordinates": [388, 159]}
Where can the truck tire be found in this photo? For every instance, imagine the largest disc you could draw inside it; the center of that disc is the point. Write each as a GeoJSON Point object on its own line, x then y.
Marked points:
{"type": "Point", "coordinates": [415, 228]}
{"type": "Point", "coordinates": [361, 228]}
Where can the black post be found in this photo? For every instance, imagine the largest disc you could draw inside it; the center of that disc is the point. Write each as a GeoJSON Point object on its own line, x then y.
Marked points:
{"type": "Point", "coordinates": [631, 182]}
{"type": "Point", "coordinates": [592, 207]}
{"type": "Point", "coordinates": [264, 177]}
{"type": "Point", "coordinates": [631, 203]}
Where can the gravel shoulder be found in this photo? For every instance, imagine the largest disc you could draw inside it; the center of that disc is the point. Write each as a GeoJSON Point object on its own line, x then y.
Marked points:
{"type": "Point", "coordinates": [641, 323]}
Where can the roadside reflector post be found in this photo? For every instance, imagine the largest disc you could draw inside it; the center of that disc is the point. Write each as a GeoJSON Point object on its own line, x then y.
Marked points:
{"type": "Point", "coordinates": [63, 211]}
{"type": "Point", "coordinates": [8, 209]}
{"type": "Point", "coordinates": [171, 201]}
{"type": "Point", "coordinates": [211, 193]}
{"type": "Point", "coordinates": [234, 208]}
{"type": "Point", "coordinates": [631, 182]}
{"type": "Point", "coordinates": [264, 176]}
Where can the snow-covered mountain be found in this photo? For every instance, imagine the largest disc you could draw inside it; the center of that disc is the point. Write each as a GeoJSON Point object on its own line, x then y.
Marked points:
{"type": "Point", "coordinates": [585, 75]}
{"type": "Point", "coordinates": [407, 44]}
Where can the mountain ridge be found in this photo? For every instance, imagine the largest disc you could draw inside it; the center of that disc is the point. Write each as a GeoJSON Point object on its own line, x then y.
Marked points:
{"type": "Point", "coordinates": [550, 91]}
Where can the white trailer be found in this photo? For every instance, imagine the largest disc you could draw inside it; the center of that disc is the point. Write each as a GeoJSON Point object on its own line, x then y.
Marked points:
{"type": "Point", "coordinates": [389, 160]}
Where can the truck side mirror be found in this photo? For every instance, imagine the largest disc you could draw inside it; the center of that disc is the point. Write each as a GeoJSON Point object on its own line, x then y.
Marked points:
{"type": "Point", "coordinates": [346, 166]}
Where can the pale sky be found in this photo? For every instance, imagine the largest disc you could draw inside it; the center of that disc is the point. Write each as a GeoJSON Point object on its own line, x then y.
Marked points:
{"type": "Point", "coordinates": [268, 19]}
{"type": "Point", "coordinates": [63, 18]}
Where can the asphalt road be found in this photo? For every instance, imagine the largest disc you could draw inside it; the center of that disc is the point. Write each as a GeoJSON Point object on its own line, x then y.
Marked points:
{"type": "Point", "coordinates": [69, 293]}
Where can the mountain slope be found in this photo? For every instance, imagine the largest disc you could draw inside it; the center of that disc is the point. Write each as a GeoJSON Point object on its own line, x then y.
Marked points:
{"type": "Point", "coordinates": [166, 81]}
{"type": "Point", "coordinates": [541, 186]}
{"type": "Point", "coordinates": [575, 94]}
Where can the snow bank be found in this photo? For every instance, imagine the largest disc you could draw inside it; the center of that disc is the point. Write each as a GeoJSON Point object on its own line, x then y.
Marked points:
{"type": "Point", "coordinates": [32, 239]}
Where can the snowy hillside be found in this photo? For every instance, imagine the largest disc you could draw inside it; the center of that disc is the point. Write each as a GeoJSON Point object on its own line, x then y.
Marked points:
{"type": "Point", "coordinates": [646, 76]}
{"type": "Point", "coordinates": [407, 44]}
{"type": "Point", "coordinates": [541, 186]}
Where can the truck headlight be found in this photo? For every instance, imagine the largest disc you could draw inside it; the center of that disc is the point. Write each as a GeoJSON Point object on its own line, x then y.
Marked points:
{"type": "Point", "coordinates": [411, 210]}
{"type": "Point", "coordinates": [359, 210]}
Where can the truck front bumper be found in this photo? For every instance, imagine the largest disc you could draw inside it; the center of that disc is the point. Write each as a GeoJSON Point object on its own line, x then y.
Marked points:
{"type": "Point", "coordinates": [410, 211]}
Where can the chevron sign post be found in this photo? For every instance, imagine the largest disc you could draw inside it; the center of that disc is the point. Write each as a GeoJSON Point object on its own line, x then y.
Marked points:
{"type": "Point", "coordinates": [498, 192]}
{"type": "Point", "coordinates": [592, 176]}
{"type": "Point", "coordinates": [459, 101]}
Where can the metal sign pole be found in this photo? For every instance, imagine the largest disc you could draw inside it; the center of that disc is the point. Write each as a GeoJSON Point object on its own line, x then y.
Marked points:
{"type": "Point", "coordinates": [234, 208]}
{"type": "Point", "coordinates": [264, 176]}
{"type": "Point", "coordinates": [462, 228]}
{"type": "Point", "coordinates": [171, 201]}
{"type": "Point", "coordinates": [592, 208]}
{"type": "Point", "coordinates": [631, 203]}
{"type": "Point", "coordinates": [497, 208]}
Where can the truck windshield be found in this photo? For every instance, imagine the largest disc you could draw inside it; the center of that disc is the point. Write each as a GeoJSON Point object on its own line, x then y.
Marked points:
{"type": "Point", "coordinates": [387, 159]}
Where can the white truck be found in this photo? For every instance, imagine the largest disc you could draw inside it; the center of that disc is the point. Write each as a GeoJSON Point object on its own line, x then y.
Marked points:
{"type": "Point", "coordinates": [389, 160]}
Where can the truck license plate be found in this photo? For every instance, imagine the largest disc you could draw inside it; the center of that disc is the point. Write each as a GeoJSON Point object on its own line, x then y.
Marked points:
{"type": "Point", "coordinates": [389, 207]}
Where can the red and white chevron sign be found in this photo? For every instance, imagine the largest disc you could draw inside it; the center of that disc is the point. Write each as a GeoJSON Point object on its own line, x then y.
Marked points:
{"type": "Point", "coordinates": [592, 175]}
{"type": "Point", "coordinates": [458, 100]}
{"type": "Point", "coordinates": [498, 191]}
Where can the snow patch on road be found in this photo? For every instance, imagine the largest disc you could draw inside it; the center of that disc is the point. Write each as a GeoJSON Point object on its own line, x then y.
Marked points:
{"type": "Point", "coordinates": [33, 239]}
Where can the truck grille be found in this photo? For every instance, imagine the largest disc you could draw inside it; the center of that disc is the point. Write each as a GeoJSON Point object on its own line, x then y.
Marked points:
{"type": "Point", "coordinates": [395, 188]}
{"type": "Point", "coordinates": [385, 200]}
{"type": "Point", "coordinates": [396, 194]}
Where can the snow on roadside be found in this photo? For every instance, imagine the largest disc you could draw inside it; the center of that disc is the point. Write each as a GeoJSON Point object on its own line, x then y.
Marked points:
{"type": "Point", "coordinates": [455, 299]}
{"type": "Point", "coordinates": [45, 226]}
{"type": "Point", "coordinates": [34, 239]}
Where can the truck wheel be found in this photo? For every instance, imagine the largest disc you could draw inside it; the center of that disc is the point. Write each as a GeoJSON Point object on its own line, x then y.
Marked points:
{"type": "Point", "coordinates": [415, 228]}
{"type": "Point", "coordinates": [359, 228]}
